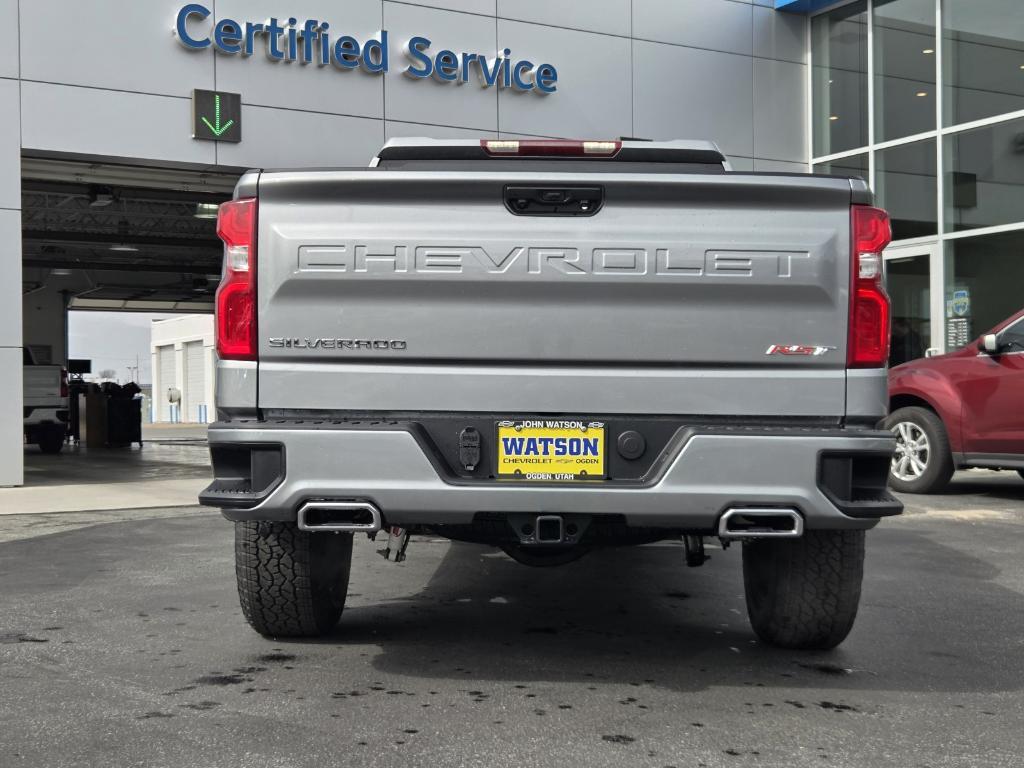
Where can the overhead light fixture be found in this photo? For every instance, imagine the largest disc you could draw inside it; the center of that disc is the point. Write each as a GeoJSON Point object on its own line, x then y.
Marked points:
{"type": "Point", "coordinates": [928, 50]}
{"type": "Point", "coordinates": [206, 210]}
{"type": "Point", "coordinates": [922, 93]}
{"type": "Point", "coordinates": [60, 272]}
{"type": "Point", "coordinates": [100, 197]}
{"type": "Point", "coordinates": [833, 118]}
{"type": "Point", "coordinates": [123, 248]}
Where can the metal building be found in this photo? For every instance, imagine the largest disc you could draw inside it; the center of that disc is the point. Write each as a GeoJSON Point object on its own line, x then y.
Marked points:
{"type": "Point", "coordinates": [124, 123]}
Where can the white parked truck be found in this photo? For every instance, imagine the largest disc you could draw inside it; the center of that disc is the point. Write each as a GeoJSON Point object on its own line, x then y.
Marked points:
{"type": "Point", "coordinates": [45, 392]}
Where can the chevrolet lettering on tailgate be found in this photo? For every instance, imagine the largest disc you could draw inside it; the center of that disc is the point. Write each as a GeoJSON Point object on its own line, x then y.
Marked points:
{"type": "Point", "coordinates": [551, 450]}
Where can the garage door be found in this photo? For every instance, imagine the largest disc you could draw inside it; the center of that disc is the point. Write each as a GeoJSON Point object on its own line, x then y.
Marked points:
{"type": "Point", "coordinates": [165, 363]}
{"type": "Point", "coordinates": [195, 382]}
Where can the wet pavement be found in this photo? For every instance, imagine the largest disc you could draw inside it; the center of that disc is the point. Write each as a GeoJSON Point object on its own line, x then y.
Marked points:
{"type": "Point", "coordinates": [169, 451]}
{"type": "Point", "coordinates": [169, 469]}
{"type": "Point", "coordinates": [121, 643]}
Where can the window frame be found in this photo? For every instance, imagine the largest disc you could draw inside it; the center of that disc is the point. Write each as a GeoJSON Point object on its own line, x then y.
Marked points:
{"type": "Point", "coordinates": [939, 133]}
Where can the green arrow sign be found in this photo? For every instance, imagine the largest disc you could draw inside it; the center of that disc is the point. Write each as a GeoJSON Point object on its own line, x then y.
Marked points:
{"type": "Point", "coordinates": [216, 116]}
{"type": "Point", "coordinates": [218, 129]}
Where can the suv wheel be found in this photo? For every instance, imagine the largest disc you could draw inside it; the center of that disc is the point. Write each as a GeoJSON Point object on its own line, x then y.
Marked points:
{"type": "Point", "coordinates": [923, 462]}
{"type": "Point", "coordinates": [291, 583]}
{"type": "Point", "coordinates": [803, 593]}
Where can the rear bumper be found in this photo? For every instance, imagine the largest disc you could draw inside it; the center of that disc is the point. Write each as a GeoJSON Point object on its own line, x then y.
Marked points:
{"type": "Point", "coordinates": [835, 478]}
{"type": "Point", "coordinates": [39, 415]}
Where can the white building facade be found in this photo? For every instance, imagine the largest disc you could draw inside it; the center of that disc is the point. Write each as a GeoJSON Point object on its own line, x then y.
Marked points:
{"type": "Point", "coordinates": [182, 351]}
{"type": "Point", "coordinates": [108, 143]}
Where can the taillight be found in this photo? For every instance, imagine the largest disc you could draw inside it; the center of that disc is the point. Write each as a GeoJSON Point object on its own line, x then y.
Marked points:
{"type": "Point", "coordinates": [236, 295]}
{"type": "Point", "coordinates": [63, 382]}
{"type": "Point", "coordinates": [550, 148]}
{"type": "Point", "coordinates": [868, 344]}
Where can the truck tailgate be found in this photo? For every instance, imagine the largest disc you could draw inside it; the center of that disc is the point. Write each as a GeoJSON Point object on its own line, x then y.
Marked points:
{"type": "Point", "coordinates": [421, 291]}
{"type": "Point", "coordinates": [42, 386]}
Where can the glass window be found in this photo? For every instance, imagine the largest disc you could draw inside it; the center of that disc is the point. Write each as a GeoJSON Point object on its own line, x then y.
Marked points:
{"type": "Point", "coordinates": [1013, 336]}
{"type": "Point", "coordinates": [984, 171]}
{"type": "Point", "coordinates": [839, 50]}
{"type": "Point", "coordinates": [984, 276]}
{"type": "Point", "coordinates": [983, 58]}
{"type": "Point", "coordinates": [906, 280]}
{"type": "Point", "coordinates": [904, 50]}
{"type": "Point", "coordinates": [857, 165]}
{"type": "Point", "coordinates": [905, 186]}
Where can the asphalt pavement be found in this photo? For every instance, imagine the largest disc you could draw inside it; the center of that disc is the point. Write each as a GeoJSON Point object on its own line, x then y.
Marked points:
{"type": "Point", "coordinates": [122, 644]}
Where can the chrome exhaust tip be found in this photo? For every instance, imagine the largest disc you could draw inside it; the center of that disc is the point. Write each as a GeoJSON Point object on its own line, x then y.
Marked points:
{"type": "Point", "coordinates": [347, 516]}
{"type": "Point", "coordinates": [761, 523]}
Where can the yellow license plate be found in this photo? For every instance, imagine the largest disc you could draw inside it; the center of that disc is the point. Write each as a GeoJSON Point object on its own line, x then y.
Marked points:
{"type": "Point", "coordinates": [551, 449]}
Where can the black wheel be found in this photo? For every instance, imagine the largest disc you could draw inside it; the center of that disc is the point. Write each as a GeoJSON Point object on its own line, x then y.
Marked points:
{"type": "Point", "coordinates": [291, 583]}
{"type": "Point", "coordinates": [51, 441]}
{"type": "Point", "coordinates": [803, 593]}
{"type": "Point", "coordinates": [923, 462]}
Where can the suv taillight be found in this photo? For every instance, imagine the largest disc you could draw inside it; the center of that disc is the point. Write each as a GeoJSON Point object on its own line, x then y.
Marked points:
{"type": "Point", "coordinates": [236, 295]}
{"type": "Point", "coordinates": [868, 344]}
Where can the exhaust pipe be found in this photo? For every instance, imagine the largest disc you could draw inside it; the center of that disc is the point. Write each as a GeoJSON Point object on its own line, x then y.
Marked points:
{"type": "Point", "coordinates": [347, 516]}
{"type": "Point", "coordinates": [761, 523]}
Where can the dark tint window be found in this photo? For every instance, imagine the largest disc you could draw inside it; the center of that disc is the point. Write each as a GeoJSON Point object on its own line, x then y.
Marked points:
{"type": "Point", "coordinates": [982, 54]}
{"type": "Point", "coordinates": [905, 183]}
{"type": "Point", "coordinates": [983, 284]}
{"type": "Point", "coordinates": [904, 41]}
{"type": "Point", "coordinates": [839, 50]}
{"type": "Point", "coordinates": [1013, 336]}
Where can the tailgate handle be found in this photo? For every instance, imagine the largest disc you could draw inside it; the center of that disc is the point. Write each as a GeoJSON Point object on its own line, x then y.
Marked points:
{"type": "Point", "coordinates": [554, 201]}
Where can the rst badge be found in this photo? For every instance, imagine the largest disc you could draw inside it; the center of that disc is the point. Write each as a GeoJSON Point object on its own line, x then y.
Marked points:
{"type": "Point", "coordinates": [798, 350]}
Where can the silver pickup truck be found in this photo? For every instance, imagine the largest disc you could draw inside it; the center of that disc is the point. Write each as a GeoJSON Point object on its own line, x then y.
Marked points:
{"type": "Point", "coordinates": [551, 347]}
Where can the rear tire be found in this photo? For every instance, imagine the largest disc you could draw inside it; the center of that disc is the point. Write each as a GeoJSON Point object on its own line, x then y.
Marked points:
{"type": "Point", "coordinates": [803, 593]}
{"type": "Point", "coordinates": [291, 583]}
{"type": "Point", "coordinates": [51, 441]}
{"type": "Point", "coordinates": [932, 453]}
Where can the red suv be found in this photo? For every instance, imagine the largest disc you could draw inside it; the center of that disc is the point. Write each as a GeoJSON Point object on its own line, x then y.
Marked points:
{"type": "Point", "coordinates": [964, 409]}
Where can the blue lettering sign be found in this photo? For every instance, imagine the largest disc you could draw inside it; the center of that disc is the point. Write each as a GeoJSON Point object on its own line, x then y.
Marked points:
{"type": "Point", "coordinates": [228, 36]}
{"type": "Point", "coordinates": [311, 43]}
{"type": "Point", "coordinates": [192, 9]}
{"type": "Point", "coordinates": [346, 52]}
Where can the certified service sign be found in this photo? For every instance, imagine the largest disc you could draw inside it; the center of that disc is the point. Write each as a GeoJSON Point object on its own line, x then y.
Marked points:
{"type": "Point", "coordinates": [318, 43]}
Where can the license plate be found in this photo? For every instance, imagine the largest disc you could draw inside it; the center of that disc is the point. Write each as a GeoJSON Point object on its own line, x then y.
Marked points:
{"type": "Point", "coordinates": [551, 450]}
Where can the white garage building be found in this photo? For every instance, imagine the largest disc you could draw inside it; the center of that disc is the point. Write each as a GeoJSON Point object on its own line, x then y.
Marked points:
{"type": "Point", "coordinates": [182, 350]}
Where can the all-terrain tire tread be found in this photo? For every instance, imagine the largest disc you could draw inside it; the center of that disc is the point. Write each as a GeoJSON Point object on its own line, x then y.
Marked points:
{"type": "Point", "coordinates": [804, 593]}
{"type": "Point", "coordinates": [276, 570]}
